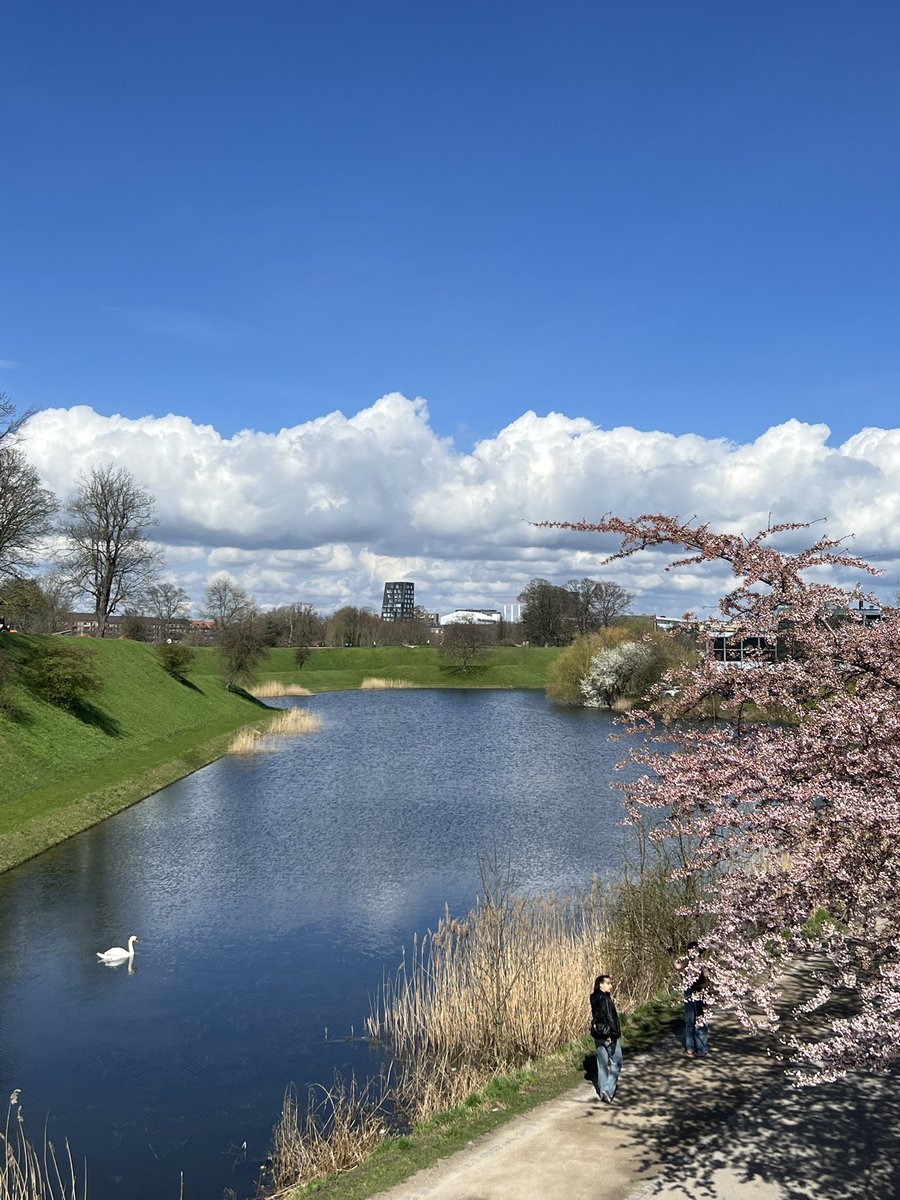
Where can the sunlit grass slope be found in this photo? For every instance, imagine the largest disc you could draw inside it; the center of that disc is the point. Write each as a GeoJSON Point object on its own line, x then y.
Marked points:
{"type": "Point", "coordinates": [419, 666]}
{"type": "Point", "coordinates": [62, 771]}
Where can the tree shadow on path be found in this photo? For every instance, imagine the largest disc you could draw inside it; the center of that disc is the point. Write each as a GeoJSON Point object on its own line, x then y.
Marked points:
{"type": "Point", "coordinates": [734, 1119]}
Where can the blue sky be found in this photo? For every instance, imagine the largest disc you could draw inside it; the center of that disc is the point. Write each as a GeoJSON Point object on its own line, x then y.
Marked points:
{"type": "Point", "coordinates": [681, 217]}
{"type": "Point", "coordinates": [676, 217]}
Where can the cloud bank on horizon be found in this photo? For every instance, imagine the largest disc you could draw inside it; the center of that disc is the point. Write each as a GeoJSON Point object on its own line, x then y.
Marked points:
{"type": "Point", "coordinates": [328, 510]}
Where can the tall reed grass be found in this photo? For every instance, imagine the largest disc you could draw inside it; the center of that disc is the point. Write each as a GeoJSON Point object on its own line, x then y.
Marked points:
{"type": "Point", "coordinates": [373, 684]}
{"type": "Point", "coordinates": [486, 994]}
{"type": "Point", "coordinates": [341, 1125]}
{"type": "Point", "coordinates": [26, 1173]}
{"type": "Point", "coordinates": [285, 723]}
{"type": "Point", "coordinates": [269, 689]}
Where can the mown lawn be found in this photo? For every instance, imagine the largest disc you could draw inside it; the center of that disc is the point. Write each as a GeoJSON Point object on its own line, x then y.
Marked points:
{"type": "Point", "coordinates": [339, 669]}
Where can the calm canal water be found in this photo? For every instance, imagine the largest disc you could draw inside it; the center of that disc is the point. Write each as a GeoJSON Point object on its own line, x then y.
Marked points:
{"type": "Point", "coordinates": [270, 895]}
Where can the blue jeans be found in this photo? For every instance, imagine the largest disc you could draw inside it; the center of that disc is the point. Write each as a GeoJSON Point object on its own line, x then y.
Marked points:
{"type": "Point", "coordinates": [609, 1064]}
{"type": "Point", "coordinates": [696, 1030]}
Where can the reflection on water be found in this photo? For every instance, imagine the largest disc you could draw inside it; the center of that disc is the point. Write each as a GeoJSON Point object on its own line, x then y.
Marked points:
{"type": "Point", "coordinates": [270, 894]}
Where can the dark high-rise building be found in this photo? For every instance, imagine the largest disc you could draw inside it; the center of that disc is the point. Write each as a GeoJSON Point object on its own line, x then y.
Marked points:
{"type": "Point", "coordinates": [399, 602]}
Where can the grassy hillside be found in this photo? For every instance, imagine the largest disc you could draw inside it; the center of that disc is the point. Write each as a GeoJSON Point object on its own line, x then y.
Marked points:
{"type": "Point", "coordinates": [62, 771]}
{"type": "Point", "coordinates": [334, 670]}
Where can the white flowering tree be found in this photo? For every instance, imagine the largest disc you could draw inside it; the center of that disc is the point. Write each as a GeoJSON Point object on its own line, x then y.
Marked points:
{"type": "Point", "coordinates": [787, 793]}
{"type": "Point", "coordinates": [612, 672]}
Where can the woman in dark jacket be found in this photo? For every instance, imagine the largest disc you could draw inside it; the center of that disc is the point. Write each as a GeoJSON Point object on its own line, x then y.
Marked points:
{"type": "Point", "coordinates": [607, 1037]}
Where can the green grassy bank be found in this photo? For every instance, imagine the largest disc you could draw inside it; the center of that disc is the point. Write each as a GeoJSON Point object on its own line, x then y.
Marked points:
{"type": "Point", "coordinates": [423, 666]}
{"type": "Point", "coordinates": [62, 771]}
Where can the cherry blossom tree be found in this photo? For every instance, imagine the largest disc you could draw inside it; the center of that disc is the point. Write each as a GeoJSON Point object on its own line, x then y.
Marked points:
{"type": "Point", "coordinates": [780, 776]}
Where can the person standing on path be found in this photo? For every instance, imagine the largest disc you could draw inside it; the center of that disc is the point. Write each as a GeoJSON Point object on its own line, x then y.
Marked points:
{"type": "Point", "coordinates": [696, 1026]}
{"type": "Point", "coordinates": [607, 1038]}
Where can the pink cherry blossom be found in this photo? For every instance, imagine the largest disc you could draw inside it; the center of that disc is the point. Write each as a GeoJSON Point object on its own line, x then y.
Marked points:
{"type": "Point", "coordinates": [780, 778]}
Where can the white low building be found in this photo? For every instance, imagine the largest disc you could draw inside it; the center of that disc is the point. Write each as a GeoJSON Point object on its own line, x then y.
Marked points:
{"type": "Point", "coordinates": [472, 616]}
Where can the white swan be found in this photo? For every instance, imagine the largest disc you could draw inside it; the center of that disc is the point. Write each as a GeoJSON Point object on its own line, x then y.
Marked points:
{"type": "Point", "coordinates": [117, 954]}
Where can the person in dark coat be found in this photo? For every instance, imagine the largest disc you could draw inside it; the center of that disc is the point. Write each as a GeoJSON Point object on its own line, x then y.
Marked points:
{"type": "Point", "coordinates": [607, 1038]}
{"type": "Point", "coordinates": [696, 1022]}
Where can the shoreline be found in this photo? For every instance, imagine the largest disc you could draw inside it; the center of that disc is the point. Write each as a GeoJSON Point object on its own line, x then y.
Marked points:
{"type": "Point", "coordinates": [55, 827]}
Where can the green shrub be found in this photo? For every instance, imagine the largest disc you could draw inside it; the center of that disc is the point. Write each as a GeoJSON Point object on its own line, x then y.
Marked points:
{"type": "Point", "coordinates": [664, 652]}
{"type": "Point", "coordinates": [63, 673]}
{"type": "Point", "coordinates": [175, 658]}
{"type": "Point", "coordinates": [572, 665]}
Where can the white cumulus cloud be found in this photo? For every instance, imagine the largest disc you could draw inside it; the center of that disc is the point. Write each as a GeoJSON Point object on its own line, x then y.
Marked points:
{"type": "Point", "coordinates": [327, 510]}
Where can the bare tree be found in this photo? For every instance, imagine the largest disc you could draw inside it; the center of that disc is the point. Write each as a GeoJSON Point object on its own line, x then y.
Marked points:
{"type": "Point", "coordinates": [10, 422]}
{"type": "Point", "coordinates": [465, 644]}
{"type": "Point", "coordinates": [225, 602]}
{"type": "Point", "coordinates": [351, 626]}
{"type": "Point", "coordinates": [306, 628]}
{"type": "Point", "coordinates": [58, 599]}
{"type": "Point", "coordinates": [611, 600]}
{"type": "Point", "coordinates": [108, 556]}
{"type": "Point", "coordinates": [581, 607]}
{"type": "Point", "coordinates": [297, 625]}
{"type": "Point", "coordinates": [239, 628]}
{"type": "Point", "coordinates": [413, 632]}
{"type": "Point", "coordinates": [27, 508]}
{"type": "Point", "coordinates": [167, 601]}
{"type": "Point", "coordinates": [243, 646]}
{"type": "Point", "coordinates": [544, 607]}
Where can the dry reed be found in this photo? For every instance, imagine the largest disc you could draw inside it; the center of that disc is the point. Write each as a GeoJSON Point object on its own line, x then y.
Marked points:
{"type": "Point", "coordinates": [294, 720]}
{"type": "Point", "coordinates": [341, 1126]}
{"type": "Point", "coordinates": [269, 689]}
{"type": "Point", "coordinates": [245, 740]}
{"type": "Point", "coordinates": [286, 722]}
{"type": "Point", "coordinates": [373, 684]}
{"type": "Point", "coordinates": [508, 983]}
{"type": "Point", "coordinates": [485, 995]}
{"type": "Point", "coordinates": [26, 1174]}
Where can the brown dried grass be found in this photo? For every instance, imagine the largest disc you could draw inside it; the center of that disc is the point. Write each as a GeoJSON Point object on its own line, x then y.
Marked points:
{"type": "Point", "coordinates": [26, 1174]}
{"type": "Point", "coordinates": [484, 996]}
{"type": "Point", "coordinates": [373, 683]}
{"type": "Point", "coordinates": [245, 741]}
{"type": "Point", "coordinates": [509, 982]}
{"type": "Point", "coordinates": [285, 723]}
{"type": "Point", "coordinates": [269, 689]}
{"type": "Point", "coordinates": [341, 1125]}
{"type": "Point", "coordinates": [294, 720]}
